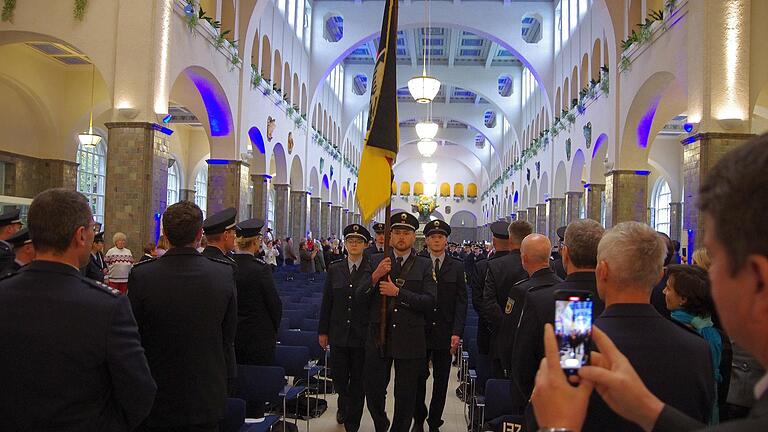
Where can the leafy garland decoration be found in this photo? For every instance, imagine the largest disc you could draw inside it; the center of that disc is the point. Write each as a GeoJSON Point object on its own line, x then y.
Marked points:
{"type": "Point", "coordinates": [79, 11]}
{"type": "Point", "coordinates": [8, 7]}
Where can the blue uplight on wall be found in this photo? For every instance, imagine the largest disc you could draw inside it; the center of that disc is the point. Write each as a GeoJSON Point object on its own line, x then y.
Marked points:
{"type": "Point", "coordinates": [325, 182]}
{"type": "Point", "coordinates": [514, 199]}
{"type": "Point", "coordinates": [688, 127]}
{"type": "Point", "coordinates": [219, 117]}
{"type": "Point", "coordinates": [256, 139]}
{"type": "Point", "coordinates": [167, 119]}
{"type": "Point", "coordinates": [644, 126]}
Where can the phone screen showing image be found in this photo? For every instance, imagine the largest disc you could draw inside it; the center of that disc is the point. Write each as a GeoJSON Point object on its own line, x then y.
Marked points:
{"type": "Point", "coordinates": [573, 328]}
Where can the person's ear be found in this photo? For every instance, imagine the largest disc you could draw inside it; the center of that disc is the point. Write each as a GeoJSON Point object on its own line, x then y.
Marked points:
{"type": "Point", "coordinates": [602, 270]}
{"type": "Point", "coordinates": [757, 266]}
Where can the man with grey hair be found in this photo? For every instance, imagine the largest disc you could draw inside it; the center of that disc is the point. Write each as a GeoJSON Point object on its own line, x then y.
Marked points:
{"type": "Point", "coordinates": [579, 253]}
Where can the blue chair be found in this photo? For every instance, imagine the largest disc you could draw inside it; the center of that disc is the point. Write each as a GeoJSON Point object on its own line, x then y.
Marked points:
{"type": "Point", "coordinates": [499, 404]}
{"type": "Point", "coordinates": [295, 361]}
{"type": "Point", "coordinates": [260, 384]}
{"type": "Point", "coordinates": [234, 418]}
{"type": "Point", "coordinates": [295, 317]}
{"type": "Point", "coordinates": [310, 324]}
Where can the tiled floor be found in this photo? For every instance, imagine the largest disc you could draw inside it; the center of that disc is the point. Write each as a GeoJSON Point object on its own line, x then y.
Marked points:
{"type": "Point", "coordinates": [453, 414]}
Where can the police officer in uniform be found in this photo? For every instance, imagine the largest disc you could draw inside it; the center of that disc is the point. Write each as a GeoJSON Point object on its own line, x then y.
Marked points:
{"type": "Point", "coordinates": [96, 267]}
{"type": "Point", "coordinates": [10, 224]}
{"type": "Point", "coordinates": [378, 244]}
{"type": "Point", "coordinates": [344, 323]}
{"type": "Point", "coordinates": [72, 357]}
{"type": "Point", "coordinates": [258, 304]}
{"type": "Point", "coordinates": [186, 309]}
{"type": "Point", "coordinates": [501, 275]}
{"type": "Point", "coordinates": [445, 325]}
{"type": "Point", "coordinates": [406, 283]}
{"type": "Point", "coordinates": [23, 250]}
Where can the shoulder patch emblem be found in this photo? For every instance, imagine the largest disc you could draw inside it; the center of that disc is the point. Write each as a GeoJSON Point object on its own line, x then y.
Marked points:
{"type": "Point", "coordinates": [259, 260]}
{"type": "Point", "coordinates": [139, 263]}
{"type": "Point", "coordinates": [510, 305]}
{"type": "Point", "coordinates": [219, 260]}
{"type": "Point", "coordinates": [103, 287]}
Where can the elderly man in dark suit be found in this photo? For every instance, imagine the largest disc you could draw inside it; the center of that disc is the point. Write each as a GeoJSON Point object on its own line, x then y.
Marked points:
{"type": "Point", "coordinates": [445, 325]}
{"type": "Point", "coordinates": [185, 306]}
{"type": "Point", "coordinates": [739, 274]}
{"type": "Point", "coordinates": [406, 283]}
{"type": "Point", "coordinates": [71, 354]}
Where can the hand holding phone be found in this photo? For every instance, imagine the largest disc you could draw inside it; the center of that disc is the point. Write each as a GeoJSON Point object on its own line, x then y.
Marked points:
{"type": "Point", "coordinates": [573, 328]}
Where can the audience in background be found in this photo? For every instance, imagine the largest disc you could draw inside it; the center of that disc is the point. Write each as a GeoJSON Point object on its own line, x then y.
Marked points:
{"type": "Point", "coordinates": [270, 254]}
{"type": "Point", "coordinates": [162, 246]}
{"type": "Point", "coordinates": [701, 258]}
{"type": "Point", "coordinates": [290, 253]}
{"type": "Point", "coordinates": [307, 257]}
{"type": "Point", "coordinates": [149, 252]}
{"type": "Point", "coordinates": [119, 261]}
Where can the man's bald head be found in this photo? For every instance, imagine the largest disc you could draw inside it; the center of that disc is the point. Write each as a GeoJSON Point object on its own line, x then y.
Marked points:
{"type": "Point", "coordinates": [534, 251]}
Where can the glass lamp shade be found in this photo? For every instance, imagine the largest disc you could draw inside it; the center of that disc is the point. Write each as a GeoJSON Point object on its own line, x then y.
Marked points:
{"type": "Point", "coordinates": [89, 139]}
{"type": "Point", "coordinates": [430, 189]}
{"type": "Point", "coordinates": [423, 88]}
{"type": "Point", "coordinates": [427, 147]}
{"type": "Point", "coordinates": [426, 130]}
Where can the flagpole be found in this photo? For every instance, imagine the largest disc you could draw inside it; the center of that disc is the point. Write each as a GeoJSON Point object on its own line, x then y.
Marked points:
{"type": "Point", "coordinates": [384, 300]}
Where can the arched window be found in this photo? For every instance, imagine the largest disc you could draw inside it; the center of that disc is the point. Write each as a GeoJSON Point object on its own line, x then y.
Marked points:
{"type": "Point", "coordinates": [661, 198]}
{"type": "Point", "coordinates": [271, 208]}
{"type": "Point", "coordinates": [201, 189]}
{"type": "Point", "coordinates": [173, 184]}
{"type": "Point", "coordinates": [91, 177]}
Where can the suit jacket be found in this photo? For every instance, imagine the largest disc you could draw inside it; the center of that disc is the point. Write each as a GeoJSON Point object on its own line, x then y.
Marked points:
{"type": "Point", "coordinates": [672, 420]}
{"type": "Point", "coordinates": [307, 264]}
{"type": "Point", "coordinates": [674, 364]}
{"type": "Point", "coordinates": [72, 357]}
{"type": "Point", "coordinates": [406, 337]}
{"type": "Point", "coordinates": [259, 308]}
{"type": "Point", "coordinates": [539, 309]}
{"type": "Point", "coordinates": [477, 281]}
{"type": "Point", "coordinates": [373, 249]}
{"type": "Point", "coordinates": [186, 309]}
{"type": "Point", "coordinates": [501, 275]}
{"type": "Point", "coordinates": [214, 252]}
{"type": "Point", "coordinates": [344, 310]}
{"type": "Point", "coordinates": [449, 314]}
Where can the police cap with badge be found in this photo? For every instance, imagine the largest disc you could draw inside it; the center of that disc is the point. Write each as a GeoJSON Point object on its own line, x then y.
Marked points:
{"type": "Point", "coordinates": [379, 228]}
{"type": "Point", "coordinates": [561, 233]}
{"type": "Point", "coordinates": [10, 217]}
{"type": "Point", "coordinates": [437, 227]}
{"type": "Point", "coordinates": [220, 222]}
{"type": "Point", "coordinates": [250, 228]}
{"type": "Point", "coordinates": [20, 238]}
{"type": "Point", "coordinates": [500, 229]}
{"type": "Point", "coordinates": [403, 220]}
{"type": "Point", "coordinates": [357, 231]}
{"type": "Point", "coordinates": [98, 237]}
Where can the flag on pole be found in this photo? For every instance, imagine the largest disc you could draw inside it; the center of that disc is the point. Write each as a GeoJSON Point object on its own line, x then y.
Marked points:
{"type": "Point", "coordinates": [382, 138]}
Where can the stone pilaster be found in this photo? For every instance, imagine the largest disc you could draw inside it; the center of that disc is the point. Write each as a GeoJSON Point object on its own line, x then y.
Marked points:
{"type": "Point", "coordinates": [282, 203]}
{"type": "Point", "coordinates": [626, 197]}
{"type": "Point", "coordinates": [137, 182]}
{"type": "Point", "coordinates": [336, 220]}
{"type": "Point", "coordinates": [573, 202]}
{"type": "Point", "coordinates": [357, 218]}
{"type": "Point", "coordinates": [541, 219]}
{"type": "Point", "coordinates": [187, 195]}
{"type": "Point", "coordinates": [314, 216]}
{"type": "Point", "coordinates": [298, 214]}
{"type": "Point", "coordinates": [325, 219]}
{"type": "Point", "coordinates": [555, 217]}
{"type": "Point", "coordinates": [532, 217]}
{"type": "Point", "coordinates": [593, 200]}
{"type": "Point", "coordinates": [522, 215]}
{"type": "Point", "coordinates": [260, 198]}
{"type": "Point", "coordinates": [26, 176]}
{"type": "Point", "coordinates": [676, 221]}
{"type": "Point", "coordinates": [228, 182]}
{"type": "Point", "coordinates": [700, 153]}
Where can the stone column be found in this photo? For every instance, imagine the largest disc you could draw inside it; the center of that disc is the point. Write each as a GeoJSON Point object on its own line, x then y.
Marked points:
{"type": "Point", "coordinates": [282, 203]}
{"type": "Point", "coordinates": [336, 220]}
{"type": "Point", "coordinates": [298, 214]}
{"type": "Point", "coordinates": [626, 196]}
{"type": "Point", "coordinates": [593, 201]}
{"type": "Point", "coordinates": [532, 216]}
{"type": "Point", "coordinates": [137, 182]}
{"type": "Point", "coordinates": [325, 219]}
{"type": "Point", "coordinates": [676, 221]}
{"type": "Point", "coordinates": [314, 217]}
{"type": "Point", "coordinates": [260, 195]}
{"type": "Point", "coordinates": [344, 219]}
{"type": "Point", "coordinates": [555, 216]}
{"type": "Point", "coordinates": [700, 153]}
{"type": "Point", "coordinates": [187, 195]}
{"type": "Point", "coordinates": [541, 219]}
{"type": "Point", "coordinates": [228, 182]}
{"type": "Point", "coordinates": [522, 215]}
{"type": "Point", "coordinates": [358, 218]}
{"type": "Point", "coordinates": [572, 206]}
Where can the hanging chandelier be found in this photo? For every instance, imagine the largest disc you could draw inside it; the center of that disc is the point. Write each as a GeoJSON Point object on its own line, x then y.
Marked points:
{"type": "Point", "coordinates": [427, 147]}
{"type": "Point", "coordinates": [424, 87]}
{"type": "Point", "coordinates": [426, 129]}
{"type": "Point", "coordinates": [90, 139]}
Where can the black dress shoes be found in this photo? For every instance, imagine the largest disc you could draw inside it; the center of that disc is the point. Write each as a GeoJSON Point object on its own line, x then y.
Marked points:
{"type": "Point", "coordinates": [341, 417]}
{"type": "Point", "coordinates": [417, 427]}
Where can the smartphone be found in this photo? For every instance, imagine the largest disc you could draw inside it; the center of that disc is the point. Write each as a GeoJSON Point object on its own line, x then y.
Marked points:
{"type": "Point", "coordinates": [573, 328]}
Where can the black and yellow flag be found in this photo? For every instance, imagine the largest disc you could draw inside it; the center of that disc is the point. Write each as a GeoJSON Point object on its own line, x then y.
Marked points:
{"type": "Point", "coordinates": [382, 139]}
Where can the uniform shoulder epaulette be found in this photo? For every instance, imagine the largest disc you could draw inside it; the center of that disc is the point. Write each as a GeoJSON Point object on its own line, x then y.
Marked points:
{"type": "Point", "coordinates": [336, 261]}
{"type": "Point", "coordinates": [521, 281]}
{"type": "Point", "coordinates": [259, 260]}
{"type": "Point", "coordinates": [452, 257]}
{"type": "Point", "coordinates": [101, 287]}
{"type": "Point", "coordinates": [8, 275]}
{"type": "Point", "coordinates": [139, 263]}
{"type": "Point", "coordinates": [218, 260]}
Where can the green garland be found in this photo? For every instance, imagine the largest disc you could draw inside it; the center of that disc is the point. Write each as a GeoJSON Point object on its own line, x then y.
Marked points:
{"type": "Point", "coordinates": [8, 7]}
{"type": "Point", "coordinates": [79, 11]}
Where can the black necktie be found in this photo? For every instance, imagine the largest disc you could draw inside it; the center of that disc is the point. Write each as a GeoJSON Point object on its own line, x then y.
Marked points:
{"type": "Point", "coordinates": [437, 265]}
{"type": "Point", "coordinates": [400, 262]}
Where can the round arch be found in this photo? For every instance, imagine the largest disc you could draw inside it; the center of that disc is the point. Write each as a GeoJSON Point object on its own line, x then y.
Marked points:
{"type": "Point", "coordinates": [278, 167]}
{"type": "Point", "coordinates": [297, 174]}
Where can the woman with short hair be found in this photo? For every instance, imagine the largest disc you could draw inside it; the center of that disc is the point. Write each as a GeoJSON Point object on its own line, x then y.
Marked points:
{"type": "Point", "coordinates": [119, 261]}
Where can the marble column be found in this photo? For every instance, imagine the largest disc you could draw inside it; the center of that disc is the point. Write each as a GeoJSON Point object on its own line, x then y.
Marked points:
{"type": "Point", "coordinates": [522, 215]}
{"type": "Point", "coordinates": [532, 217]}
{"type": "Point", "coordinates": [314, 217]}
{"type": "Point", "coordinates": [298, 214]}
{"type": "Point", "coordinates": [593, 201]}
{"type": "Point", "coordinates": [228, 182]}
{"type": "Point", "coordinates": [282, 204]}
{"type": "Point", "coordinates": [555, 217]}
{"type": "Point", "coordinates": [260, 195]}
{"type": "Point", "coordinates": [541, 219]}
{"type": "Point", "coordinates": [187, 195]}
{"type": "Point", "coordinates": [675, 221]}
{"type": "Point", "coordinates": [573, 206]}
{"type": "Point", "coordinates": [325, 219]}
{"type": "Point", "coordinates": [137, 182]}
{"type": "Point", "coordinates": [700, 153]}
{"type": "Point", "coordinates": [626, 196]}
{"type": "Point", "coordinates": [336, 220]}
